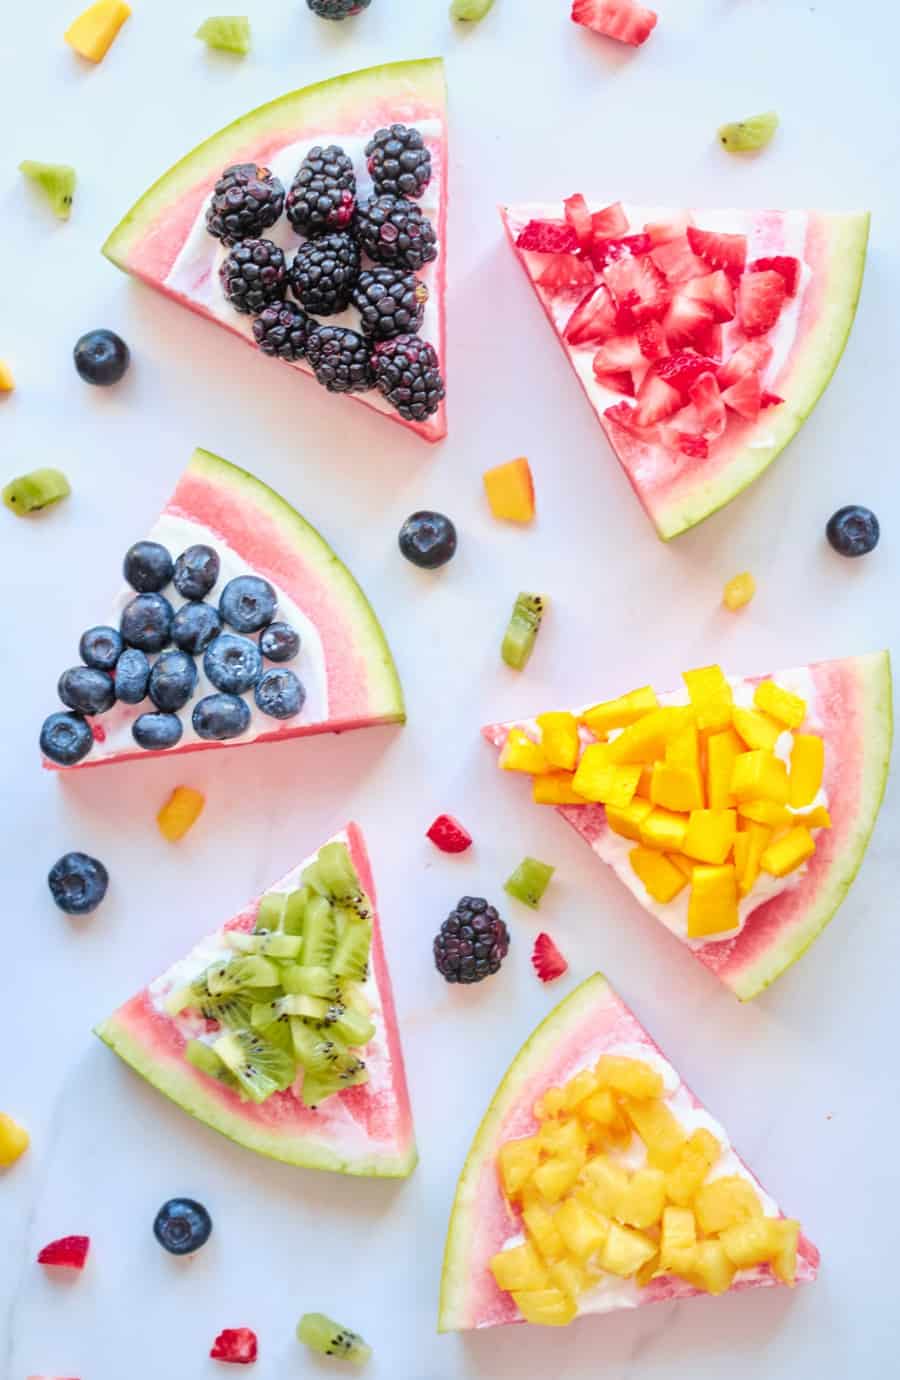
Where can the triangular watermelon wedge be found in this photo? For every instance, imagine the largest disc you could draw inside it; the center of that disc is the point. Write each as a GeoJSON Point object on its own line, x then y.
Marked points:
{"type": "Point", "coordinates": [591, 1022]}
{"type": "Point", "coordinates": [685, 461]}
{"type": "Point", "coordinates": [344, 663]}
{"type": "Point", "coordinates": [849, 705]}
{"type": "Point", "coordinates": [163, 241]}
{"type": "Point", "coordinates": [365, 1129]}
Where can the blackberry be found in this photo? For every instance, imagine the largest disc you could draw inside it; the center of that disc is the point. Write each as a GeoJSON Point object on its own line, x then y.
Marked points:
{"type": "Point", "coordinates": [282, 329]}
{"type": "Point", "coordinates": [398, 161]}
{"type": "Point", "coordinates": [323, 194]}
{"type": "Point", "coordinates": [472, 942]}
{"type": "Point", "coordinates": [390, 301]}
{"type": "Point", "coordinates": [340, 359]}
{"type": "Point", "coordinates": [393, 230]}
{"type": "Point", "coordinates": [324, 272]}
{"type": "Point", "coordinates": [407, 373]}
{"type": "Point", "coordinates": [253, 275]}
{"type": "Point", "coordinates": [338, 9]}
{"type": "Point", "coordinates": [246, 200]}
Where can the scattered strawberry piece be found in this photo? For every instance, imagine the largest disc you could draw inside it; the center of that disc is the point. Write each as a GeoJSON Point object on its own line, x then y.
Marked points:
{"type": "Point", "coordinates": [705, 396]}
{"type": "Point", "coordinates": [566, 273]}
{"type": "Point", "coordinates": [617, 382]}
{"type": "Point", "coordinates": [759, 301]}
{"type": "Point", "coordinates": [753, 357]}
{"type": "Point", "coordinates": [609, 222]}
{"type": "Point", "coordinates": [546, 959]}
{"type": "Point", "coordinates": [619, 19]}
{"type": "Point", "coordinates": [744, 397]}
{"type": "Point", "coordinates": [640, 291]}
{"type": "Point", "coordinates": [715, 291]}
{"type": "Point", "coordinates": [687, 320]}
{"type": "Point", "coordinates": [579, 218]}
{"type": "Point", "coordinates": [547, 237]}
{"type": "Point", "coordinates": [447, 834]}
{"type": "Point", "coordinates": [651, 339]}
{"type": "Point", "coordinates": [677, 260]}
{"type": "Point", "coordinates": [682, 369]}
{"type": "Point", "coordinates": [606, 251]}
{"type": "Point", "coordinates": [767, 399]}
{"type": "Point", "coordinates": [788, 267]}
{"type": "Point", "coordinates": [235, 1344]}
{"type": "Point", "coordinates": [620, 353]}
{"type": "Point", "coordinates": [664, 231]}
{"type": "Point", "coordinates": [721, 251]}
{"type": "Point", "coordinates": [70, 1252]}
{"type": "Point", "coordinates": [656, 399]}
{"type": "Point", "coordinates": [593, 319]}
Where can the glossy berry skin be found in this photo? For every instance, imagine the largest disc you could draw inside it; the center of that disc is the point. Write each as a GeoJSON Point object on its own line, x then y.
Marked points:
{"type": "Point", "coordinates": [196, 572]}
{"type": "Point", "coordinates": [248, 603]}
{"type": "Point", "coordinates": [100, 648]}
{"type": "Point", "coordinates": [233, 664]}
{"type": "Point", "coordinates": [219, 717]}
{"type": "Point", "coordinates": [195, 626]}
{"type": "Point", "coordinates": [472, 942]}
{"type": "Point", "coordinates": [279, 642]}
{"type": "Point", "coordinates": [87, 691]}
{"type": "Point", "coordinates": [447, 834]}
{"type": "Point", "coordinates": [147, 567]}
{"type": "Point", "coordinates": [146, 622]}
{"type": "Point", "coordinates": [155, 732]}
{"type": "Point", "coordinates": [338, 9]}
{"type": "Point", "coordinates": [78, 883]}
{"type": "Point", "coordinates": [279, 693]}
{"type": "Point", "coordinates": [853, 531]}
{"type": "Point", "coordinates": [182, 1226]}
{"type": "Point", "coordinates": [132, 676]}
{"type": "Point", "coordinates": [101, 357]}
{"type": "Point", "coordinates": [173, 680]}
{"type": "Point", "coordinates": [428, 540]}
{"type": "Point", "coordinates": [66, 739]}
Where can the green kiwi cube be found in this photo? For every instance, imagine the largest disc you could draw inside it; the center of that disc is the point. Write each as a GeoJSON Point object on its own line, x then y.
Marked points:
{"type": "Point", "coordinates": [471, 10]}
{"type": "Point", "coordinates": [529, 881]}
{"type": "Point", "coordinates": [32, 492]}
{"type": "Point", "coordinates": [329, 1338]}
{"type": "Point", "coordinates": [522, 630]}
{"type": "Point", "coordinates": [55, 180]}
{"type": "Point", "coordinates": [272, 907]}
{"type": "Point", "coordinates": [230, 33]}
{"type": "Point", "coordinates": [745, 136]}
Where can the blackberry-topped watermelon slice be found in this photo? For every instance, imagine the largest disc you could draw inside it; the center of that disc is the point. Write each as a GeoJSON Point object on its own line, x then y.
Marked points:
{"type": "Point", "coordinates": [736, 810]}
{"type": "Point", "coordinates": [702, 339]}
{"type": "Point", "coordinates": [279, 1029]}
{"type": "Point", "coordinates": [597, 1181]}
{"type": "Point", "coordinates": [164, 239]}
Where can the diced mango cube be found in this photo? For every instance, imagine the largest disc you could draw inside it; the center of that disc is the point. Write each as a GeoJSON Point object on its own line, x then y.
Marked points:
{"type": "Point", "coordinates": [739, 590]}
{"type": "Point", "coordinates": [14, 1140]}
{"type": "Point", "coordinates": [710, 694]}
{"type": "Point", "coordinates": [648, 1270]}
{"type": "Point", "coordinates": [518, 1160]}
{"type": "Point", "coordinates": [756, 837]}
{"type": "Point", "coordinates": [699, 1153]}
{"type": "Point", "coordinates": [646, 739]}
{"type": "Point", "coordinates": [784, 1263]}
{"type": "Point", "coordinates": [542, 1232]}
{"type": "Point", "coordinates": [788, 852]}
{"type": "Point", "coordinates": [634, 1077]}
{"type": "Point", "coordinates": [683, 863]}
{"type": "Point", "coordinates": [766, 812]}
{"type": "Point", "coordinates": [676, 788]}
{"type": "Point", "coordinates": [807, 768]}
{"type": "Point", "coordinates": [92, 33]}
{"type": "Point", "coordinates": [564, 1139]}
{"type": "Point", "coordinates": [644, 784]}
{"type": "Point", "coordinates": [658, 1128]}
{"type": "Point", "coordinates": [739, 852]}
{"type": "Point", "coordinates": [625, 1251]}
{"type": "Point", "coordinates": [710, 834]}
{"type": "Point", "coordinates": [520, 1267]}
{"type": "Point", "coordinates": [713, 905]}
{"type": "Point", "coordinates": [569, 1276]}
{"type": "Point", "coordinates": [753, 1241]}
{"type": "Point", "coordinates": [551, 1103]}
{"type": "Point", "coordinates": [712, 1270]}
{"type": "Point", "coordinates": [628, 820]}
{"type": "Point", "coordinates": [722, 750]}
{"type": "Point", "coordinates": [7, 382]}
{"type": "Point", "coordinates": [662, 879]}
{"type": "Point", "coordinates": [555, 788]}
{"type": "Point", "coordinates": [559, 739]}
{"type": "Point", "coordinates": [757, 729]}
{"type": "Point", "coordinates": [787, 708]}
{"type": "Point", "coordinates": [598, 779]}
{"type": "Point", "coordinates": [683, 748]}
{"type": "Point", "coordinates": [643, 1201]}
{"type": "Point", "coordinates": [555, 1177]}
{"type": "Point", "coordinates": [664, 829]}
{"type": "Point", "coordinates": [760, 775]}
{"type": "Point", "coordinates": [510, 490]}
{"type": "Point", "coordinates": [548, 1307]}
{"type": "Point", "coordinates": [724, 1203]}
{"type": "Point", "coordinates": [180, 812]}
{"type": "Point", "coordinates": [678, 1238]}
{"type": "Point", "coordinates": [819, 818]}
{"type": "Point", "coordinates": [605, 1184]}
{"type": "Point", "coordinates": [627, 709]}
{"type": "Point", "coordinates": [600, 1107]}
{"type": "Point", "coordinates": [521, 753]}
{"type": "Point", "coordinates": [579, 1088]}
{"type": "Point", "coordinates": [583, 1230]}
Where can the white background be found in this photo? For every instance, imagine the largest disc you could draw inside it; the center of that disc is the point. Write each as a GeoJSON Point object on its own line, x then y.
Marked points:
{"type": "Point", "coordinates": [806, 1078]}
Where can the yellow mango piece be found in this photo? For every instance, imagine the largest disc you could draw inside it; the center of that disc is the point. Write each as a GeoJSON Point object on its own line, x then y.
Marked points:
{"type": "Point", "coordinates": [676, 788]}
{"type": "Point", "coordinates": [601, 780]}
{"type": "Point", "coordinates": [643, 789]}
{"type": "Point", "coordinates": [710, 834]}
{"type": "Point", "coordinates": [807, 768]}
{"type": "Point", "coordinates": [555, 1177]}
{"type": "Point", "coordinates": [713, 906]}
{"type": "Point", "coordinates": [510, 490]}
{"type": "Point", "coordinates": [521, 753]}
{"type": "Point", "coordinates": [760, 775]}
{"type": "Point", "coordinates": [752, 1242]}
{"type": "Point", "coordinates": [555, 788]}
{"type": "Point", "coordinates": [625, 1251]}
{"type": "Point", "coordinates": [7, 382]}
{"type": "Point", "coordinates": [683, 748]}
{"type": "Point", "coordinates": [756, 728]}
{"type": "Point", "coordinates": [646, 740]}
{"type": "Point", "coordinates": [784, 1263]}
{"type": "Point", "coordinates": [548, 1307]}
{"type": "Point", "coordinates": [569, 1276]}
{"type": "Point", "coordinates": [788, 852]}
{"type": "Point", "coordinates": [664, 829]}
{"type": "Point", "coordinates": [766, 812]}
{"type": "Point", "coordinates": [722, 750]}
{"type": "Point", "coordinates": [658, 1128]}
{"type": "Point", "coordinates": [619, 1132]}
{"type": "Point", "coordinates": [14, 1140]}
{"type": "Point", "coordinates": [698, 1155]}
{"type": "Point", "coordinates": [627, 709]}
{"type": "Point", "coordinates": [757, 838]}
{"type": "Point", "coordinates": [710, 694]}
{"type": "Point", "coordinates": [92, 33]}
{"type": "Point", "coordinates": [628, 820]}
{"type": "Point", "coordinates": [519, 1268]}
{"type": "Point", "coordinates": [677, 1239]}
{"type": "Point", "coordinates": [600, 1107]}
{"type": "Point", "coordinates": [542, 1232]}
{"type": "Point", "coordinates": [550, 1104]}
{"type": "Point", "coordinates": [788, 709]}
{"type": "Point", "coordinates": [819, 818]}
{"type": "Point", "coordinates": [643, 1201]}
{"type": "Point", "coordinates": [739, 590]}
{"type": "Point", "coordinates": [683, 863]}
{"type": "Point", "coordinates": [583, 1230]}
{"type": "Point", "coordinates": [180, 812]}
{"type": "Point", "coordinates": [662, 879]}
{"type": "Point", "coordinates": [579, 1088]}
{"type": "Point", "coordinates": [648, 1270]}
{"type": "Point", "coordinates": [634, 1077]}
{"type": "Point", "coordinates": [559, 739]}
{"type": "Point", "coordinates": [517, 1161]}
{"type": "Point", "coordinates": [724, 1203]}
{"type": "Point", "coordinates": [712, 1270]}
{"type": "Point", "coordinates": [739, 851]}
{"type": "Point", "coordinates": [605, 1184]}
{"type": "Point", "coordinates": [564, 1139]}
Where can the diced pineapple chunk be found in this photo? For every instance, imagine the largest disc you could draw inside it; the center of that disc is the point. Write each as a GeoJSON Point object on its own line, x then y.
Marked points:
{"type": "Point", "coordinates": [648, 1270]}
{"type": "Point", "coordinates": [625, 1251]}
{"type": "Point", "coordinates": [542, 1232]}
{"type": "Point", "coordinates": [722, 750]}
{"type": "Point", "coordinates": [712, 1270]}
{"type": "Point", "coordinates": [711, 697]}
{"type": "Point", "coordinates": [664, 829]}
{"type": "Point", "coordinates": [627, 709]}
{"type": "Point", "coordinates": [634, 1077]}
{"type": "Point", "coordinates": [724, 1203]}
{"type": "Point", "coordinates": [646, 740]}
{"type": "Point", "coordinates": [555, 788]}
{"type": "Point", "coordinates": [662, 879]}
{"type": "Point", "coordinates": [676, 787]}
{"type": "Point", "coordinates": [698, 1155]}
{"type": "Point", "coordinates": [559, 739]}
{"type": "Point", "coordinates": [520, 1267]}
{"type": "Point", "coordinates": [760, 775]}
{"type": "Point", "coordinates": [739, 590]}
{"type": "Point", "coordinates": [521, 753]}
{"type": "Point", "coordinates": [605, 1184]}
{"type": "Point", "coordinates": [551, 1103]}
{"type": "Point", "coordinates": [565, 1139]}
{"type": "Point", "coordinates": [679, 1236]}
{"type": "Point", "coordinates": [14, 1140]}
{"type": "Point", "coordinates": [788, 709]}
{"type": "Point", "coordinates": [710, 834]}
{"type": "Point", "coordinates": [766, 812]}
{"type": "Point", "coordinates": [788, 852]}
{"type": "Point", "coordinates": [713, 905]}
{"type": "Point", "coordinates": [600, 780]}
{"type": "Point", "coordinates": [628, 820]}
{"type": "Point", "coordinates": [549, 1307]}
{"type": "Point", "coordinates": [555, 1177]}
{"type": "Point", "coordinates": [518, 1159]}
{"type": "Point", "coordinates": [757, 729]}
{"type": "Point", "coordinates": [752, 1242]}
{"type": "Point", "coordinates": [569, 1276]}
{"type": "Point", "coordinates": [784, 1264]}
{"type": "Point", "coordinates": [757, 840]}
{"type": "Point", "coordinates": [600, 1107]}
{"type": "Point", "coordinates": [579, 1088]}
{"type": "Point", "coordinates": [658, 1128]}
{"type": "Point", "coordinates": [582, 1229]}
{"type": "Point", "coordinates": [644, 1199]}
{"type": "Point", "coordinates": [807, 768]}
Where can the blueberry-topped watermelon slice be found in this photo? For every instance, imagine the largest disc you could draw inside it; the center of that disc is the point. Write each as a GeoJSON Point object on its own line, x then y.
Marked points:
{"type": "Point", "coordinates": [315, 229]}
{"type": "Point", "coordinates": [236, 623]}
{"type": "Point", "coordinates": [702, 339]}
{"type": "Point", "coordinates": [279, 1029]}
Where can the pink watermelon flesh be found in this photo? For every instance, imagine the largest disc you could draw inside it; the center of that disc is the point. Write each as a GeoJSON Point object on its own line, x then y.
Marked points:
{"type": "Point", "coordinates": [365, 1130]}
{"type": "Point", "coordinates": [592, 1021]}
{"type": "Point", "coordinates": [682, 481]}
{"type": "Point", "coordinates": [853, 703]}
{"type": "Point", "coordinates": [268, 536]}
{"type": "Point", "coordinates": [148, 242]}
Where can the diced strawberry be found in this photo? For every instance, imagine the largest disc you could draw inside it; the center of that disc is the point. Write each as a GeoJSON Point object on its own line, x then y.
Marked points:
{"type": "Point", "coordinates": [620, 19]}
{"type": "Point", "coordinates": [623, 414]}
{"type": "Point", "coordinates": [744, 397]}
{"type": "Point", "coordinates": [678, 261]}
{"type": "Point", "coordinates": [656, 399]}
{"type": "Point", "coordinates": [682, 369]}
{"type": "Point", "coordinates": [707, 400]}
{"type": "Point", "coordinates": [620, 353]}
{"type": "Point", "coordinates": [98, 731]}
{"type": "Point", "coordinates": [617, 383]}
{"type": "Point", "coordinates": [651, 339]}
{"type": "Point", "coordinates": [547, 237]}
{"type": "Point", "coordinates": [579, 218]}
{"type": "Point", "coordinates": [447, 834]}
{"type": "Point", "coordinates": [694, 446]}
{"type": "Point", "coordinates": [716, 291]}
{"type": "Point", "coordinates": [721, 251]}
{"type": "Point", "coordinates": [546, 959]}
{"type": "Point", "coordinates": [640, 291]}
{"type": "Point", "coordinates": [788, 267]}
{"type": "Point", "coordinates": [767, 399]}
{"type": "Point", "coordinates": [611, 221]}
{"type": "Point", "coordinates": [235, 1344]}
{"type": "Point", "coordinates": [593, 319]}
{"type": "Point", "coordinates": [70, 1252]}
{"type": "Point", "coordinates": [753, 357]}
{"type": "Point", "coordinates": [566, 273]}
{"type": "Point", "coordinates": [664, 231]}
{"type": "Point", "coordinates": [759, 301]}
{"type": "Point", "coordinates": [708, 341]}
{"type": "Point", "coordinates": [629, 246]}
{"type": "Point", "coordinates": [686, 319]}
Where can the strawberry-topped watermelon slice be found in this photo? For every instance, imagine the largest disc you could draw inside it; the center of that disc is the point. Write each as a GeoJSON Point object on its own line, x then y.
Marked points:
{"type": "Point", "coordinates": [702, 338]}
{"type": "Point", "coordinates": [237, 624]}
{"type": "Point", "coordinates": [598, 1181]}
{"type": "Point", "coordinates": [166, 239]}
{"type": "Point", "coordinates": [279, 1029]}
{"type": "Point", "coordinates": [736, 810]}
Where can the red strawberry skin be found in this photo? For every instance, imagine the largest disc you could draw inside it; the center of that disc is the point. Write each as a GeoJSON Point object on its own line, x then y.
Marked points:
{"type": "Point", "coordinates": [651, 339]}
{"type": "Point", "coordinates": [609, 222]}
{"type": "Point", "coordinates": [710, 409]}
{"type": "Point", "coordinates": [618, 382]}
{"type": "Point", "coordinates": [619, 19]}
{"type": "Point", "coordinates": [715, 291]}
{"type": "Point", "coordinates": [235, 1344]}
{"type": "Point", "coordinates": [70, 1252]}
{"type": "Point", "coordinates": [753, 357]}
{"type": "Point", "coordinates": [720, 251]}
{"type": "Point", "coordinates": [768, 399]}
{"type": "Point", "coordinates": [547, 237]}
{"type": "Point", "coordinates": [677, 260]}
{"type": "Point", "coordinates": [760, 298]}
{"type": "Point", "coordinates": [566, 273]}
{"type": "Point", "coordinates": [640, 291]}
{"type": "Point", "coordinates": [579, 218]}
{"type": "Point", "coordinates": [682, 369]}
{"type": "Point", "coordinates": [547, 960]}
{"type": "Point", "coordinates": [788, 267]}
{"type": "Point", "coordinates": [744, 397]}
{"type": "Point", "coordinates": [594, 319]}
{"type": "Point", "coordinates": [447, 834]}
{"type": "Point", "coordinates": [607, 250]}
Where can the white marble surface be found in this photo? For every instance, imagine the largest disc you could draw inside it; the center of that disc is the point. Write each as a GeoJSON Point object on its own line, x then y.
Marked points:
{"type": "Point", "coordinates": [805, 1079]}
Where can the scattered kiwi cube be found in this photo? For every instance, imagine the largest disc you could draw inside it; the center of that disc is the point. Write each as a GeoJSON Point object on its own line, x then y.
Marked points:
{"type": "Point", "coordinates": [529, 881]}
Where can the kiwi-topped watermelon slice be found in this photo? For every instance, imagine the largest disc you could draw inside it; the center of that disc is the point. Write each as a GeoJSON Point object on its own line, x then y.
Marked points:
{"type": "Point", "coordinates": [702, 338]}
{"type": "Point", "coordinates": [279, 1029]}
{"type": "Point", "coordinates": [737, 810]}
{"type": "Point", "coordinates": [164, 239]}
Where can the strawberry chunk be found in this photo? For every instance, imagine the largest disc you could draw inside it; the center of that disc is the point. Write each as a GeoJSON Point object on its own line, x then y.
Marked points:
{"type": "Point", "coordinates": [617, 383]}
{"type": "Point", "coordinates": [594, 318]}
{"type": "Point", "coordinates": [235, 1344]}
{"type": "Point", "coordinates": [767, 399]}
{"type": "Point", "coordinates": [753, 357]}
{"type": "Point", "coordinates": [759, 301]}
{"type": "Point", "coordinates": [708, 341]}
{"type": "Point", "coordinates": [611, 221]}
{"type": "Point", "coordinates": [69, 1252]}
{"type": "Point", "coordinates": [447, 834]}
{"type": "Point", "coordinates": [694, 446]}
{"type": "Point", "coordinates": [619, 19]}
{"type": "Point", "coordinates": [651, 339]}
{"type": "Point", "coordinates": [566, 273]}
{"type": "Point", "coordinates": [707, 400]}
{"type": "Point", "coordinates": [677, 260]}
{"type": "Point", "coordinates": [607, 250]}
{"type": "Point", "coordinates": [640, 291]}
{"type": "Point", "coordinates": [686, 320]}
{"type": "Point", "coordinates": [547, 960]}
{"type": "Point", "coordinates": [682, 369]}
{"type": "Point", "coordinates": [744, 397]}
{"type": "Point", "coordinates": [788, 267]}
{"type": "Point", "coordinates": [547, 237]}
{"type": "Point", "coordinates": [664, 231]}
{"type": "Point", "coordinates": [656, 399]}
{"type": "Point", "coordinates": [721, 251]}
{"type": "Point", "coordinates": [579, 218]}
{"type": "Point", "coordinates": [716, 291]}
{"type": "Point", "coordinates": [623, 414]}
{"type": "Point", "coordinates": [622, 352]}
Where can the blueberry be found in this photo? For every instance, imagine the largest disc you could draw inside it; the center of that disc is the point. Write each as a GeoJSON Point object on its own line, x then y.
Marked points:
{"type": "Point", "coordinates": [279, 642]}
{"type": "Point", "coordinates": [853, 531]}
{"type": "Point", "coordinates": [195, 626]}
{"type": "Point", "coordinates": [100, 648]}
{"type": "Point", "coordinates": [182, 1225]}
{"type": "Point", "coordinates": [248, 603]}
{"type": "Point", "coordinates": [78, 883]}
{"type": "Point", "coordinates": [172, 680]}
{"type": "Point", "coordinates": [101, 357]}
{"type": "Point", "coordinates": [220, 717]}
{"type": "Point", "coordinates": [65, 739]}
{"type": "Point", "coordinates": [428, 540]}
{"type": "Point", "coordinates": [196, 571]}
{"type": "Point", "coordinates": [156, 731]}
{"type": "Point", "coordinates": [87, 691]}
{"type": "Point", "coordinates": [147, 567]}
{"type": "Point", "coordinates": [279, 693]}
{"type": "Point", "coordinates": [132, 676]}
{"type": "Point", "coordinates": [233, 664]}
{"type": "Point", "coordinates": [147, 622]}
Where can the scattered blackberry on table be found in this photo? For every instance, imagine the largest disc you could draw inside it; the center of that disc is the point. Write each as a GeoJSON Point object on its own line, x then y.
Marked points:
{"type": "Point", "coordinates": [246, 200]}
{"type": "Point", "coordinates": [853, 530]}
{"type": "Point", "coordinates": [324, 272]}
{"type": "Point", "coordinates": [393, 230]}
{"type": "Point", "coordinates": [253, 275]}
{"type": "Point", "coordinates": [182, 1225]}
{"type": "Point", "coordinates": [472, 942]}
{"type": "Point", "coordinates": [78, 883]}
{"type": "Point", "coordinates": [282, 329]}
{"type": "Point", "coordinates": [101, 357]}
{"type": "Point", "coordinates": [340, 359]}
{"type": "Point", "coordinates": [338, 9]}
{"type": "Point", "coordinates": [323, 194]}
{"type": "Point", "coordinates": [390, 301]}
{"type": "Point", "coordinates": [398, 161]}
{"type": "Point", "coordinates": [66, 739]}
{"type": "Point", "coordinates": [408, 374]}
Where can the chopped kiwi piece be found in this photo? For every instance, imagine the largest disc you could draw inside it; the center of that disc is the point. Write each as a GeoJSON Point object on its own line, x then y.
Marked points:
{"type": "Point", "coordinates": [272, 907]}
{"type": "Point", "coordinates": [351, 954]}
{"type": "Point", "coordinates": [355, 999]}
{"type": "Point", "coordinates": [56, 181]}
{"type": "Point", "coordinates": [318, 1087]}
{"type": "Point", "coordinates": [743, 136]}
{"type": "Point", "coordinates": [295, 910]}
{"type": "Point", "coordinates": [529, 881]}
{"type": "Point", "coordinates": [353, 1028]}
{"type": "Point", "coordinates": [319, 933]}
{"type": "Point", "coordinates": [239, 974]}
{"type": "Point", "coordinates": [522, 630]}
{"type": "Point", "coordinates": [310, 1008]}
{"type": "Point", "coordinates": [333, 874]}
{"type": "Point", "coordinates": [272, 945]}
{"type": "Point", "coordinates": [312, 982]}
{"type": "Point", "coordinates": [29, 493]}
{"type": "Point", "coordinates": [205, 1058]}
{"type": "Point", "coordinates": [330, 1339]}
{"type": "Point", "coordinates": [470, 9]}
{"type": "Point", "coordinates": [278, 1033]}
{"type": "Point", "coordinates": [230, 33]}
{"type": "Point", "coordinates": [317, 1052]}
{"type": "Point", "coordinates": [260, 1068]}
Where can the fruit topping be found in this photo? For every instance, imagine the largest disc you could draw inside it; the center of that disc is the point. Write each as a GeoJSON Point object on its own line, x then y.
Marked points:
{"type": "Point", "coordinates": [132, 676]}
{"type": "Point", "coordinates": [393, 230]}
{"type": "Point", "coordinates": [338, 9]}
{"type": "Point", "coordinates": [621, 354]}
{"type": "Point", "coordinates": [227, 33]}
{"type": "Point", "coordinates": [651, 339]}
{"type": "Point", "coordinates": [752, 133]}
{"type": "Point", "coordinates": [566, 273]}
{"type": "Point", "coordinates": [739, 590]}
{"type": "Point", "coordinates": [715, 291]}
{"type": "Point", "coordinates": [195, 626]}
{"type": "Point", "coordinates": [472, 942]}
{"type": "Point", "coordinates": [399, 164]}
{"type": "Point", "coordinates": [510, 490]}
{"type": "Point", "coordinates": [246, 200]}
{"type": "Point", "coordinates": [100, 648]}
{"type": "Point", "coordinates": [522, 629]}
{"type": "Point", "coordinates": [87, 691]}
{"type": "Point", "coordinates": [156, 732]}
{"type": "Point", "coordinates": [340, 359]}
{"type": "Point", "coordinates": [238, 1345]}
{"type": "Point", "coordinates": [78, 883]}
{"type": "Point", "coordinates": [180, 813]}
{"type": "Point", "coordinates": [744, 397]}
{"type": "Point", "coordinates": [182, 1226]}
{"type": "Point", "coordinates": [56, 182]}
{"type": "Point", "coordinates": [390, 302]}
{"type": "Point", "coordinates": [279, 693]}
{"type": "Point", "coordinates": [248, 603]}
{"type": "Point", "coordinates": [14, 1141]}
{"type": "Point", "coordinates": [215, 717]}
{"type": "Point", "coordinates": [656, 399]}
{"type": "Point", "coordinates": [428, 539]}
{"type": "Point", "coordinates": [282, 330]}
{"type": "Point", "coordinates": [173, 679]}
{"type": "Point", "coordinates": [753, 357]}
{"type": "Point", "coordinates": [92, 33]}
{"type": "Point", "coordinates": [609, 222]}
{"type": "Point", "coordinates": [788, 267]}
{"type": "Point", "coordinates": [707, 403]}
{"type": "Point", "coordinates": [593, 319]}
{"type": "Point", "coordinates": [146, 622]}
{"type": "Point", "coordinates": [639, 290]}
{"type": "Point", "coordinates": [7, 382]}
{"type": "Point", "coordinates": [30, 493]}
{"type": "Point", "coordinates": [65, 739]}
{"type": "Point", "coordinates": [760, 298]}
{"type": "Point", "coordinates": [579, 218]}
{"type": "Point", "coordinates": [547, 960]}
{"type": "Point", "coordinates": [69, 1252]}
{"type": "Point", "coordinates": [147, 567]}
{"type": "Point", "coordinates": [232, 663]}
{"type": "Point", "coordinates": [606, 251]}
{"type": "Point", "coordinates": [677, 261]}
{"type": "Point", "coordinates": [253, 275]}
{"type": "Point", "coordinates": [719, 251]}
{"type": "Point", "coordinates": [101, 357]}
{"type": "Point", "coordinates": [548, 237]}
{"type": "Point", "coordinates": [528, 882]}
{"type": "Point", "coordinates": [279, 642]}
{"type": "Point", "coordinates": [447, 834]}
{"type": "Point", "coordinates": [328, 1338]}
{"type": "Point", "coordinates": [407, 373]}
{"type": "Point", "coordinates": [324, 272]}
{"type": "Point", "coordinates": [687, 322]}
{"type": "Point", "coordinates": [853, 530]}
{"type": "Point", "coordinates": [620, 19]}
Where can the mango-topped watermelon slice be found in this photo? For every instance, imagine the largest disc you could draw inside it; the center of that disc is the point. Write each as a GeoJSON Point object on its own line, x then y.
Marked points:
{"type": "Point", "coordinates": [598, 1181]}
{"type": "Point", "coordinates": [736, 810]}
{"type": "Point", "coordinates": [279, 1029]}
{"type": "Point", "coordinates": [702, 339]}
{"type": "Point", "coordinates": [318, 210]}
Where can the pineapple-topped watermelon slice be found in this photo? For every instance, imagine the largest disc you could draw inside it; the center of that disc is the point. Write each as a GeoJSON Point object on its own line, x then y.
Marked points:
{"type": "Point", "coordinates": [289, 203]}
{"type": "Point", "coordinates": [279, 1029]}
{"type": "Point", "coordinates": [702, 338]}
{"type": "Point", "coordinates": [597, 1181]}
{"type": "Point", "coordinates": [736, 810]}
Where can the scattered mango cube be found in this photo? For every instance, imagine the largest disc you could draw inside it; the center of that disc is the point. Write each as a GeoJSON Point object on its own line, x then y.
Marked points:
{"type": "Point", "coordinates": [520, 1267]}
{"type": "Point", "coordinates": [757, 729]}
{"type": "Point", "coordinates": [559, 739]}
{"type": "Point", "coordinates": [510, 490]}
{"type": "Point", "coordinates": [710, 834]}
{"type": "Point", "coordinates": [760, 775]}
{"type": "Point", "coordinates": [662, 879]}
{"type": "Point", "coordinates": [787, 708]}
{"type": "Point", "coordinates": [722, 751]}
{"type": "Point", "coordinates": [713, 904]}
{"type": "Point", "coordinates": [634, 1077]}
{"type": "Point", "coordinates": [788, 852]}
{"type": "Point", "coordinates": [555, 788]}
{"type": "Point", "coordinates": [7, 382]}
{"type": "Point", "coordinates": [807, 768]}
{"type": "Point", "coordinates": [622, 712]}
{"type": "Point", "coordinates": [711, 696]}
{"type": "Point", "coordinates": [739, 590]}
{"type": "Point", "coordinates": [664, 829]}
{"type": "Point", "coordinates": [93, 32]}
{"type": "Point", "coordinates": [549, 1307]}
{"type": "Point", "coordinates": [14, 1140]}
{"type": "Point", "coordinates": [180, 812]}
{"type": "Point", "coordinates": [724, 1203]}
{"type": "Point", "coordinates": [521, 753]}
